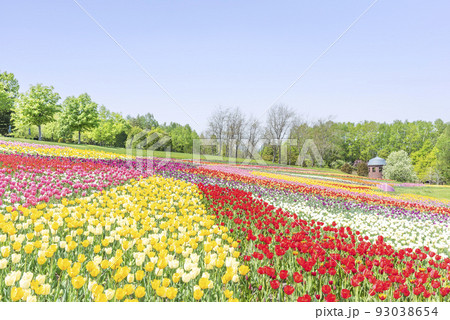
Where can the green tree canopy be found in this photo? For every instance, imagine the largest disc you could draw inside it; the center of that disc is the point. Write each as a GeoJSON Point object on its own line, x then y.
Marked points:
{"type": "Point", "coordinates": [9, 91]}
{"type": "Point", "coordinates": [443, 154]}
{"type": "Point", "coordinates": [424, 160]}
{"type": "Point", "coordinates": [399, 167]}
{"type": "Point", "coordinates": [37, 106]}
{"type": "Point", "coordinates": [147, 121]}
{"type": "Point", "coordinates": [181, 137]}
{"type": "Point", "coordinates": [80, 113]}
{"type": "Point", "coordinates": [111, 124]}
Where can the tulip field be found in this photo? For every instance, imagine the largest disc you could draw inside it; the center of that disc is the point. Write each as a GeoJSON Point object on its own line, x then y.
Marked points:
{"type": "Point", "coordinates": [84, 225]}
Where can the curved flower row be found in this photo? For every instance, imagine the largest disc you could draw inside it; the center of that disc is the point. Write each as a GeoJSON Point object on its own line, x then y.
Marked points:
{"type": "Point", "coordinates": [29, 180]}
{"type": "Point", "coordinates": [273, 182]}
{"type": "Point", "coordinates": [313, 200]}
{"type": "Point", "coordinates": [397, 231]}
{"type": "Point", "coordinates": [55, 150]}
{"type": "Point", "coordinates": [295, 259]}
{"type": "Point", "coordinates": [303, 171]}
{"type": "Point", "coordinates": [33, 179]}
{"type": "Point", "coordinates": [351, 189]}
{"type": "Point", "coordinates": [148, 240]}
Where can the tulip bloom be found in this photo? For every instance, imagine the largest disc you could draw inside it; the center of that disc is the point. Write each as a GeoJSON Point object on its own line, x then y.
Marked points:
{"type": "Point", "coordinates": [275, 284]}
{"type": "Point", "coordinates": [288, 290]}
{"type": "Point", "coordinates": [326, 289]}
{"type": "Point", "coordinates": [345, 293]}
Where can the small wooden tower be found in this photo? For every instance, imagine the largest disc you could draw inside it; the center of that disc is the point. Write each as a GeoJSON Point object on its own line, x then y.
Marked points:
{"type": "Point", "coordinates": [376, 167]}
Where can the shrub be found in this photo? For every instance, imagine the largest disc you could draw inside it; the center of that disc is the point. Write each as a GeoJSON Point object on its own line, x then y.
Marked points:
{"type": "Point", "coordinates": [121, 139]}
{"type": "Point", "coordinates": [399, 167]}
{"type": "Point", "coordinates": [362, 169]}
{"type": "Point", "coordinates": [347, 168]}
{"type": "Point", "coordinates": [356, 163]}
{"type": "Point", "coordinates": [337, 164]}
{"type": "Point", "coordinates": [307, 163]}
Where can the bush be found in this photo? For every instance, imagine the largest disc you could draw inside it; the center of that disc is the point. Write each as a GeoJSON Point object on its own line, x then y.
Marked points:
{"type": "Point", "coordinates": [399, 167]}
{"type": "Point", "coordinates": [337, 164]}
{"type": "Point", "coordinates": [121, 139]}
{"type": "Point", "coordinates": [362, 169]}
{"type": "Point", "coordinates": [356, 163]}
{"type": "Point", "coordinates": [307, 163]}
{"type": "Point", "coordinates": [133, 138]}
{"type": "Point", "coordinates": [346, 168]}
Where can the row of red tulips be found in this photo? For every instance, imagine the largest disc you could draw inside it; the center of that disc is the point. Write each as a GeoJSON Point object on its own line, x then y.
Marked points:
{"type": "Point", "coordinates": [322, 191]}
{"type": "Point", "coordinates": [294, 259]}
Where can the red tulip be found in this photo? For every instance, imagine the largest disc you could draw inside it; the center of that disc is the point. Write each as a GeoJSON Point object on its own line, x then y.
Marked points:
{"type": "Point", "coordinates": [435, 284]}
{"type": "Point", "coordinates": [298, 277]}
{"type": "Point", "coordinates": [288, 290]}
{"type": "Point", "coordinates": [345, 293]}
{"type": "Point", "coordinates": [275, 284]}
{"type": "Point", "coordinates": [326, 289]}
{"type": "Point", "coordinates": [283, 274]}
{"type": "Point", "coordinates": [305, 298]}
{"type": "Point", "coordinates": [444, 291]}
{"type": "Point", "coordinates": [330, 298]}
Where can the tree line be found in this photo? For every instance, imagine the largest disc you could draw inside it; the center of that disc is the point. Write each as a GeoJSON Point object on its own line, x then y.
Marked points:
{"type": "Point", "coordinates": [284, 134]}
{"type": "Point", "coordinates": [40, 114]}
{"type": "Point", "coordinates": [280, 137]}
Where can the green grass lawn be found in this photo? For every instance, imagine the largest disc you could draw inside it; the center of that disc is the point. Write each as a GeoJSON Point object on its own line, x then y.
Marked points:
{"type": "Point", "coordinates": [158, 154]}
{"type": "Point", "coordinates": [439, 192]}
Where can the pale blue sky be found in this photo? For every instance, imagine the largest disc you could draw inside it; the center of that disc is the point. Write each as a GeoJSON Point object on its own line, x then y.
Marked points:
{"type": "Point", "coordinates": [393, 64]}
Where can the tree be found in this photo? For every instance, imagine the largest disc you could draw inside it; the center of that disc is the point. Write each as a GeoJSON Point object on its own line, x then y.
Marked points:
{"type": "Point", "coordinates": [424, 160]}
{"type": "Point", "coordinates": [37, 107]}
{"type": "Point", "coordinates": [362, 169]}
{"type": "Point", "coordinates": [181, 137]}
{"type": "Point", "coordinates": [55, 130]}
{"type": "Point", "coordinates": [9, 91]}
{"type": "Point", "coordinates": [217, 125]}
{"type": "Point", "coordinates": [279, 121]}
{"type": "Point", "coordinates": [111, 124]}
{"type": "Point", "coordinates": [325, 135]}
{"type": "Point", "coordinates": [253, 135]}
{"type": "Point", "coordinates": [131, 139]}
{"type": "Point", "coordinates": [235, 126]}
{"type": "Point", "coordinates": [300, 132]}
{"type": "Point", "coordinates": [145, 122]}
{"type": "Point", "coordinates": [399, 167]}
{"type": "Point", "coordinates": [346, 168]}
{"type": "Point", "coordinates": [80, 113]}
{"type": "Point", "coordinates": [443, 154]}
{"type": "Point", "coordinates": [156, 140]}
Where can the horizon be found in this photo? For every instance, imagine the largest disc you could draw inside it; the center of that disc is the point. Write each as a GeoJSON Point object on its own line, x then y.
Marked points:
{"type": "Point", "coordinates": [380, 70]}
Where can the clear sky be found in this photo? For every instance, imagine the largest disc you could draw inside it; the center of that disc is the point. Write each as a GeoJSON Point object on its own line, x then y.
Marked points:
{"type": "Point", "coordinates": [393, 64]}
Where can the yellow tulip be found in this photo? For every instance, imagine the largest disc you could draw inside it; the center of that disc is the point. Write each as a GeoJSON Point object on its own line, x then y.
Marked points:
{"type": "Point", "coordinates": [139, 275]}
{"type": "Point", "coordinates": [243, 270]}
{"type": "Point", "coordinates": [171, 293]}
{"type": "Point", "coordinates": [228, 294]}
{"type": "Point", "coordinates": [198, 294]}
{"type": "Point", "coordinates": [140, 292]}
{"type": "Point", "coordinates": [16, 293]}
{"type": "Point", "coordinates": [78, 282]}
